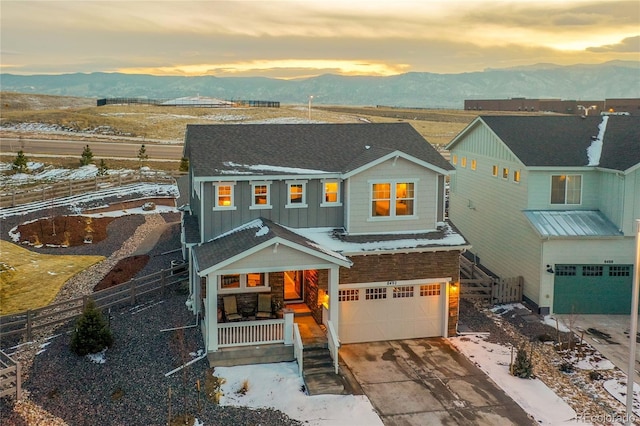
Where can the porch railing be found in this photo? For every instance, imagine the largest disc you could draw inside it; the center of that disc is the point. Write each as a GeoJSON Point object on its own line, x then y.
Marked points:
{"type": "Point", "coordinates": [298, 348]}
{"type": "Point", "coordinates": [248, 333]}
{"type": "Point", "coordinates": [334, 344]}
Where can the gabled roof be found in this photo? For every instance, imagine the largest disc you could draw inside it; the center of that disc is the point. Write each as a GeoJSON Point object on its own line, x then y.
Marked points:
{"type": "Point", "coordinates": [253, 235]}
{"type": "Point", "coordinates": [572, 223]}
{"type": "Point", "coordinates": [563, 141]}
{"type": "Point", "coordinates": [283, 149]}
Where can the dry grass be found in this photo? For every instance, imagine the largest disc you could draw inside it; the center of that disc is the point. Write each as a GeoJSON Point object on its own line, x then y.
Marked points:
{"type": "Point", "coordinates": [30, 280]}
{"type": "Point", "coordinates": [148, 122]}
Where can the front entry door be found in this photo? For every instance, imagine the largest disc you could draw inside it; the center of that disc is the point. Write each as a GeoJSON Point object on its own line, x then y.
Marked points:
{"type": "Point", "coordinates": [293, 285]}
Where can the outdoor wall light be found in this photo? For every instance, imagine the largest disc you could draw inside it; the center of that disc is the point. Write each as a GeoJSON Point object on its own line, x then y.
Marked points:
{"type": "Point", "coordinates": [550, 269]}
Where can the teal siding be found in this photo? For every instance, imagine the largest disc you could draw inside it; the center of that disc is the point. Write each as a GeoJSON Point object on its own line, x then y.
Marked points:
{"type": "Point", "coordinates": [584, 294]}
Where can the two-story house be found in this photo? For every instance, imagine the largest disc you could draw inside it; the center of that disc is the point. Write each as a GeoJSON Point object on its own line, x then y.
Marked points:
{"type": "Point", "coordinates": [552, 199]}
{"type": "Point", "coordinates": [346, 219]}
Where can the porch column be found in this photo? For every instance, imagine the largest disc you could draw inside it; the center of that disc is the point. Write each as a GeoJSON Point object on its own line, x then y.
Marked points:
{"type": "Point", "coordinates": [212, 313]}
{"type": "Point", "coordinates": [288, 326]}
{"type": "Point", "coordinates": [334, 280]}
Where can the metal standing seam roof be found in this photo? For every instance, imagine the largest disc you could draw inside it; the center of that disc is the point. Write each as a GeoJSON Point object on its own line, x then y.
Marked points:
{"type": "Point", "coordinates": [572, 223]}
{"type": "Point", "coordinates": [215, 150]}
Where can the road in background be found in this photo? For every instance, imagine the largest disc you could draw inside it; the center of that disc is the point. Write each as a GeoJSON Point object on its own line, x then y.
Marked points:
{"type": "Point", "coordinates": [100, 149]}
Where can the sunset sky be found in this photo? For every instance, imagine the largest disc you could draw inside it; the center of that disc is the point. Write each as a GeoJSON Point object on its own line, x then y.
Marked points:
{"type": "Point", "coordinates": [303, 38]}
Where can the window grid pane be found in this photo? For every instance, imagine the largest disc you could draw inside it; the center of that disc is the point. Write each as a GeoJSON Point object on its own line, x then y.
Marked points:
{"type": "Point", "coordinates": [558, 189]}
{"type": "Point", "coordinates": [375, 293]}
{"type": "Point", "coordinates": [430, 290]}
{"type": "Point", "coordinates": [381, 196]}
{"type": "Point", "coordinates": [592, 271]}
{"type": "Point", "coordinates": [404, 199]}
{"type": "Point", "coordinates": [619, 271]}
{"type": "Point", "coordinates": [260, 194]}
{"type": "Point", "coordinates": [331, 192]}
{"type": "Point", "coordinates": [224, 196]}
{"type": "Point", "coordinates": [566, 270]}
{"type": "Point", "coordinates": [574, 184]}
{"type": "Point", "coordinates": [349, 295]}
{"type": "Point", "coordinates": [404, 291]}
{"type": "Point", "coordinates": [230, 281]}
{"type": "Point", "coordinates": [295, 194]}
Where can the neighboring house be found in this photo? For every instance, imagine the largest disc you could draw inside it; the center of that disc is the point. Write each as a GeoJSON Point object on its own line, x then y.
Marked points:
{"type": "Point", "coordinates": [347, 219]}
{"type": "Point", "coordinates": [552, 199]}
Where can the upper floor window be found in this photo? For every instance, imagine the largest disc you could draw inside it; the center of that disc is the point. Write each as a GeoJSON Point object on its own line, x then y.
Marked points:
{"type": "Point", "coordinates": [223, 196]}
{"type": "Point", "coordinates": [296, 194]}
{"type": "Point", "coordinates": [260, 195]}
{"type": "Point", "coordinates": [331, 191]}
{"type": "Point", "coordinates": [474, 164]}
{"type": "Point", "coordinates": [566, 189]}
{"type": "Point", "coordinates": [454, 159]}
{"type": "Point", "coordinates": [392, 199]}
{"type": "Point", "coordinates": [463, 162]}
{"type": "Point", "coordinates": [494, 170]}
{"type": "Point", "coordinates": [516, 176]}
{"type": "Point", "coordinates": [505, 173]}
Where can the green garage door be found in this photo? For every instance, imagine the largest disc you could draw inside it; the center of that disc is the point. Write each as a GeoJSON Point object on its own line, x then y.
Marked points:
{"type": "Point", "coordinates": [592, 289]}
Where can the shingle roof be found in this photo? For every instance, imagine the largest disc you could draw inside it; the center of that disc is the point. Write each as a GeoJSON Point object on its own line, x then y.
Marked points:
{"type": "Point", "coordinates": [563, 140]}
{"type": "Point", "coordinates": [191, 227]}
{"type": "Point", "coordinates": [572, 223]}
{"type": "Point", "coordinates": [215, 150]}
{"type": "Point", "coordinates": [248, 236]}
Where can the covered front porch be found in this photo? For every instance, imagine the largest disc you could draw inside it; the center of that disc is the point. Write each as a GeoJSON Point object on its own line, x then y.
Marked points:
{"type": "Point", "coordinates": [231, 286]}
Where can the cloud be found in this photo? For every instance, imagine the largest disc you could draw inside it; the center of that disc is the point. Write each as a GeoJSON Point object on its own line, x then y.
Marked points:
{"type": "Point", "coordinates": [629, 44]}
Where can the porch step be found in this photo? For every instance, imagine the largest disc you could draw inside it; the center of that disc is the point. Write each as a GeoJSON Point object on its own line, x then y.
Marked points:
{"type": "Point", "coordinates": [318, 373]}
{"type": "Point", "coordinates": [299, 309]}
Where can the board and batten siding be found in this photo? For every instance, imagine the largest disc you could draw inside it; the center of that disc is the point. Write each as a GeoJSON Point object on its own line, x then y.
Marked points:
{"type": "Point", "coordinates": [612, 197]}
{"type": "Point", "coordinates": [217, 222]}
{"type": "Point", "coordinates": [359, 219]}
{"type": "Point", "coordinates": [632, 202]}
{"type": "Point", "coordinates": [488, 209]}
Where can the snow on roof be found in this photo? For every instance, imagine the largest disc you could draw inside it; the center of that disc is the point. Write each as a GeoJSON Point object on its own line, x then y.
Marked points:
{"type": "Point", "coordinates": [264, 167]}
{"type": "Point", "coordinates": [326, 238]}
{"type": "Point", "coordinates": [595, 149]}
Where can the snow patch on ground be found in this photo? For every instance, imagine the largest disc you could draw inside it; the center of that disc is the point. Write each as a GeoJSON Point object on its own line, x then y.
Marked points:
{"type": "Point", "coordinates": [278, 386]}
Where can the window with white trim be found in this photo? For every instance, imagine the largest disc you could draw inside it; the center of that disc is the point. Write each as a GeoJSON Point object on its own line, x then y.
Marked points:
{"type": "Point", "coordinates": [296, 194]}
{"type": "Point", "coordinates": [505, 173]}
{"type": "Point", "coordinates": [566, 189]}
{"type": "Point", "coordinates": [393, 199]}
{"type": "Point", "coordinates": [516, 176]}
{"type": "Point", "coordinates": [454, 159]}
{"type": "Point", "coordinates": [223, 198]}
{"type": "Point", "coordinates": [331, 193]}
{"type": "Point", "coordinates": [260, 195]}
{"type": "Point", "coordinates": [474, 164]}
{"type": "Point", "coordinates": [463, 161]}
{"type": "Point", "coordinates": [494, 171]}
{"type": "Point", "coordinates": [243, 282]}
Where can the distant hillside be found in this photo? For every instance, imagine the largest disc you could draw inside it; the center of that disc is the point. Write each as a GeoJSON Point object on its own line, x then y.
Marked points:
{"type": "Point", "coordinates": [616, 79]}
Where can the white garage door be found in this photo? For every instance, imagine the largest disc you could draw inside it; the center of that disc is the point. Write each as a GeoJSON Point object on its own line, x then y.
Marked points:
{"type": "Point", "coordinates": [391, 312]}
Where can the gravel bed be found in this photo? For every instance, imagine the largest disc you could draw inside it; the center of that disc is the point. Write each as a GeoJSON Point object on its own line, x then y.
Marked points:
{"type": "Point", "coordinates": [130, 388]}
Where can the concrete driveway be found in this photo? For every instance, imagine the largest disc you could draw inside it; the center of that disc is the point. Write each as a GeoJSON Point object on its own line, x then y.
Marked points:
{"type": "Point", "coordinates": [428, 382]}
{"type": "Point", "coordinates": [609, 335]}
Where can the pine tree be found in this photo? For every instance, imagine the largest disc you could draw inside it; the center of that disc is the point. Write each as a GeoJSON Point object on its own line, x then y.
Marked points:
{"type": "Point", "coordinates": [91, 334]}
{"type": "Point", "coordinates": [142, 155]}
{"type": "Point", "coordinates": [102, 168]}
{"type": "Point", "coordinates": [20, 163]}
{"type": "Point", "coordinates": [523, 366]}
{"type": "Point", "coordinates": [184, 164]}
{"type": "Point", "coordinates": [87, 156]}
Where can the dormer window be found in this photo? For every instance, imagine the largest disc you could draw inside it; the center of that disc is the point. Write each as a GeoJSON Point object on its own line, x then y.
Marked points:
{"type": "Point", "coordinates": [296, 194]}
{"type": "Point", "coordinates": [331, 193]}
{"type": "Point", "coordinates": [224, 196]}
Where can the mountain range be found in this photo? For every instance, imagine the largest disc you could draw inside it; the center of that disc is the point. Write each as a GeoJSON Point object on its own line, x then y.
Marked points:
{"type": "Point", "coordinates": [615, 79]}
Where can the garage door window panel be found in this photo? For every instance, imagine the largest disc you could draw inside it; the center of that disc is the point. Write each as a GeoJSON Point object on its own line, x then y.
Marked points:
{"type": "Point", "coordinates": [404, 291]}
{"type": "Point", "coordinates": [619, 271]}
{"type": "Point", "coordinates": [566, 270]}
{"type": "Point", "coordinates": [592, 271]}
{"type": "Point", "coordinates": [375, 293]}
{"type": "Point", "coordinates": [350, 295]}
{"type": "Point", "coordinates": [430, 290]}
